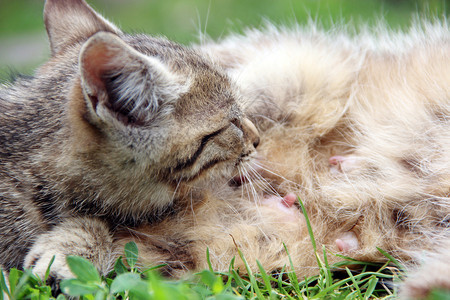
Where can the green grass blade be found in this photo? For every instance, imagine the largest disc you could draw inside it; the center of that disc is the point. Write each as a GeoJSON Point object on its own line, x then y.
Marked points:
{"type": "Point", "coordinates": [208, 260]}
{"type": "Point", "coordinates": [321, 268]}
{"type": "Point", "coordinates": [336, 285]}
{"type": "Point", "coordinates": [371, 287]}
{"type": "Point", "coordinates": [308, 224]}
{"type": "Point", "coordinates": [47, 272]}
{"type": "Point", "coordinates": [292, 276]}
{"type": "Point", "coordinates": [326, 268]}
{"type": "Point", "coordinates": [154, 268]}
{"type": "Point", "coordinates": [305, 283]}
{"type": "Point", "coordinates": [4, 288]}
{"type": "Point", "coordinates": [280, 281]}
{"type": "Point", "coordinates": [266, 279]}
{"type": "Point", "coordinates": [231, 267]}
{"type": "Point", "coordinates": [240, 282]}
{"type": "Point", "coordinates": [391, 258]}
{"type": "Point", "coordinates": [13, 278]}
{"type": "Point", "coordinates": [253, 281]}
{"type": "Point", "coordinates": [355, 284]}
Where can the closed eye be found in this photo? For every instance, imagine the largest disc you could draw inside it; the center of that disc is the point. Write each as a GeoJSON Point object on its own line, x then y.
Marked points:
{"type": "Point", "coordinates": [205, 139]}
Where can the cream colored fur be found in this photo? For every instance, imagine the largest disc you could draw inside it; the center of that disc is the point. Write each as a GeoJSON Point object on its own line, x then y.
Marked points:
{"type": "Point", "coordinates": [378, 99]}
{"type": "Point", "coordinates": [433, 273]}
{"type": "Point", "coordinates": [381, 97]}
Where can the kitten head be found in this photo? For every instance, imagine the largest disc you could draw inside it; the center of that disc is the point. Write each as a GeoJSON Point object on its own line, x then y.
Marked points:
{"type": "Point", "coordinates": [146, 114]}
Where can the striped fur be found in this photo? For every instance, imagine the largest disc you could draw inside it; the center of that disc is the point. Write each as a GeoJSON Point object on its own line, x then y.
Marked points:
{"type": "Point", "coordinates": [114, 130]}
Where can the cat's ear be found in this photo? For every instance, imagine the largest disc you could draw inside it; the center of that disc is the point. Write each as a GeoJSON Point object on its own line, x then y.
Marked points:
{"type": "Point", "coordinates": [71, 21]}
{"type": "Point", "coordinates": [122, 84]}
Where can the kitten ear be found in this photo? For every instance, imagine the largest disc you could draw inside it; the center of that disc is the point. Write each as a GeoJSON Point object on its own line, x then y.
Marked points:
{"type": "Point", "coordinates": [69, 21]}
{"type": "Point", "coordinates": [123, 84]}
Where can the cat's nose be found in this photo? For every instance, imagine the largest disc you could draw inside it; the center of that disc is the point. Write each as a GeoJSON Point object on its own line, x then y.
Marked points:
{"type": "Point", "coordinates": [251, 131]}
{"type": "Point", "coordinates": [256, 142]}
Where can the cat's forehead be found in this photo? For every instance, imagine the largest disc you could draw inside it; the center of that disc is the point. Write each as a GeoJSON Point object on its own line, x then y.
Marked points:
{"type": "Point", "coordinates": [210, 90]}
{"type": "Point", "coordinates": [204, 100]}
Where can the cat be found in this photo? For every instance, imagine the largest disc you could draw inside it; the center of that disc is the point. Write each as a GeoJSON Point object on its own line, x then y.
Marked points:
{"type": "Point", "coordinates": [114, 130]}
{"type": "Point", "coordinates": [358, 126]}
{"type": "Point", "coordinates": [354, 124]}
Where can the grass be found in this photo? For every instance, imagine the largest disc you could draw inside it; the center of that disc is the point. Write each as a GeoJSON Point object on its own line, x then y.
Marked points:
{"type": "Point", "coordinates": [372, 281]}
{"type": "Point", "coordinates": [335, 281]}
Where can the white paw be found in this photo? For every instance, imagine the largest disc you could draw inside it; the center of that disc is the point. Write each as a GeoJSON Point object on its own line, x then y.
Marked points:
{"type": "Point", "coordinates": [86, 237]}
{"type": "Point", "coordinates": [40, 256]}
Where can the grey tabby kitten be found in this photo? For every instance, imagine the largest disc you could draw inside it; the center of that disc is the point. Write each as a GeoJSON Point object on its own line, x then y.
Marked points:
{"type": "Point", "coordinates": [114, 130]}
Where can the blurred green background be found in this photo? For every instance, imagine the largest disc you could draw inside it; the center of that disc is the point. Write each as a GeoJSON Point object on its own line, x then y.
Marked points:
{"type": "Point", "coordinates": [23, 43]}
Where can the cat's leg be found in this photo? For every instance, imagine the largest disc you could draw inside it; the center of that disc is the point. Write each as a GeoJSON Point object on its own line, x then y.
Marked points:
{"type": "Point", "coordinates": [86, 237]}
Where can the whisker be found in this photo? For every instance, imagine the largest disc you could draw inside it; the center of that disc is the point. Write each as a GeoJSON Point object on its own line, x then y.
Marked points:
{"type": "Point", "coordinates": [260, 165]}
{"type": "Point", "coordinates": [176, 189]}
{"type": "Point", "coordinates": [262, 182]}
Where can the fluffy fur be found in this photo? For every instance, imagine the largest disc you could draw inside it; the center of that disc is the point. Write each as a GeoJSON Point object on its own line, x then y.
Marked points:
{"type": "Point", "coordinates": [380, 100]}
{"type": "Point", "coordinates": [432, 274]}
{"type": "Point", "coordinates": [356, 125]}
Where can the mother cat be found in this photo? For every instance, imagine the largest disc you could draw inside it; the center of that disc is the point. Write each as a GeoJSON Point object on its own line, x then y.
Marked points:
{"type": "Point", "coordinates": [359, 128]}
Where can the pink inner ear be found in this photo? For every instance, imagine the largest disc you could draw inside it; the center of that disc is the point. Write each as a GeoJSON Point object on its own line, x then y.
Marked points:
{"type": "Point", "coordinates": [96, 61]}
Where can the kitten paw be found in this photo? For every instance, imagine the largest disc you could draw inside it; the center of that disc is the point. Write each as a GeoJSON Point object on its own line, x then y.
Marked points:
{"type": "Point", "coordinates": [86, 237]}
{"type": "Point", "coordinates": [39, 259]}
{"type": "Point", "coordinates": [347, 242]}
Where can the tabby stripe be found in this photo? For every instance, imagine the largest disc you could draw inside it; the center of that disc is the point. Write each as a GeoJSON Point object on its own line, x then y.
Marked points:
{"type": "Point", "coordinates": [45, 203]}
{"type": "Point", "coordinates": [191, 161]}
